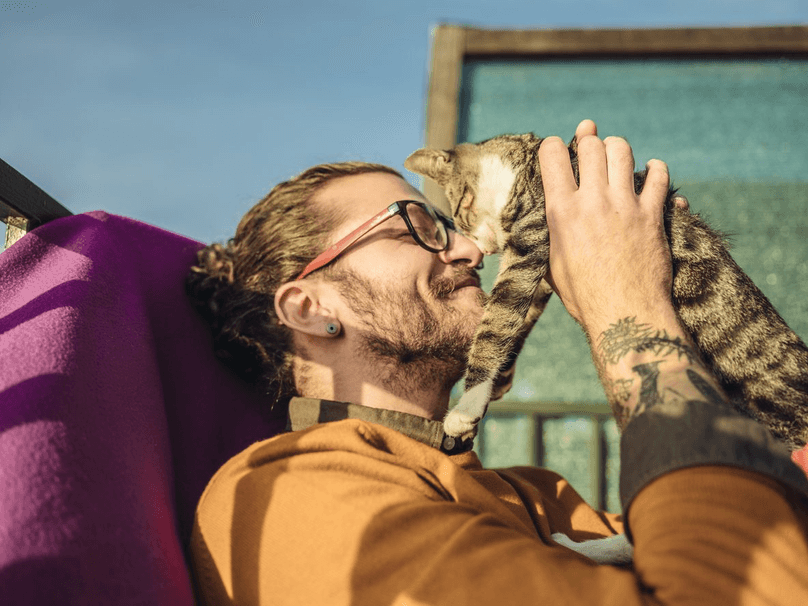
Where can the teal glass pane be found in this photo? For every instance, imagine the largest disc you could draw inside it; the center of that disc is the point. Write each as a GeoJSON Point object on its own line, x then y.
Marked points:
{"type": "Point", "coordinates": [708, 119]}
{"type": "Point", "coordinates": [611, 436]}
{"type": "Point", "coordinates": [567, 445]}
{"type": "Point", "coordinates": [507, 440]}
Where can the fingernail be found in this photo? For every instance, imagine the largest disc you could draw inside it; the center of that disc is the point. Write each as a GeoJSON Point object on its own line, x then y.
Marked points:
{"type": "Point", "coordinates": [655, 160]}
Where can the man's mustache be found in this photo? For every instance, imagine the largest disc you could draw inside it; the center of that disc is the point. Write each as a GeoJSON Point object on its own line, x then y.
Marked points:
{"type": "Point", "coordinates": [444, 285]}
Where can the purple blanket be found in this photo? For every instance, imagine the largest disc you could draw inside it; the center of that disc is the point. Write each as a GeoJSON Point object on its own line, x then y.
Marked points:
{"type": "Point", "coordinates": [114, 414]}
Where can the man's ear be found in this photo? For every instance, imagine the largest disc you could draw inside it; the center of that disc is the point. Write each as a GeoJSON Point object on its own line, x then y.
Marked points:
{"type": "Point", "coordinates": [299, 307]}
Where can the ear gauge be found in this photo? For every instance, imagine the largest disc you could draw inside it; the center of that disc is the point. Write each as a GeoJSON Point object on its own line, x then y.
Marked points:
{"type": "Point", "coordinates": [332, 328]}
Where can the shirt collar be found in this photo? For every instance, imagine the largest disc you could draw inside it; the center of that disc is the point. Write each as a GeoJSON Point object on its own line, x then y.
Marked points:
{"type": "Point", "coordinates": [306, 412]}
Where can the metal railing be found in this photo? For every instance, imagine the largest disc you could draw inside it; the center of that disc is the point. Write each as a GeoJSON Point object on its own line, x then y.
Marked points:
{"type": "Point", "coordinates": [579, 440]}
{"type": "Point", "coordinates": [23, 205]}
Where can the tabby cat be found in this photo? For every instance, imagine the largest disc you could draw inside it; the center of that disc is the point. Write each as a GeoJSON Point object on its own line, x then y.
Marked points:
{"type": "Point", "coordinates": [495, 192]}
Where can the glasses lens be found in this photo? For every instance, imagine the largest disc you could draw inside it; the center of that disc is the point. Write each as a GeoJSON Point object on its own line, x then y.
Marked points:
{"type": "Point", "coordinates": [428, 226]}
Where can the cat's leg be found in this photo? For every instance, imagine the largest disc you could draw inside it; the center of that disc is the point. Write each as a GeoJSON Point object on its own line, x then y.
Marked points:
{"type": "Point", "coordinates": [504, 318]}
{"type": "Point", "coordinates": [504, 380]}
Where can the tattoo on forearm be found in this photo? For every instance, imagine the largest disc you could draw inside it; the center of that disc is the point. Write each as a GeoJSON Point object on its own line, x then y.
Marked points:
{"type": "Point", "coordinates": [618, 393]}
{"type": "Point", "coordinates": [618, 390]}
{"type": "Point", "coordinates": [626, 336]}
{"type": "Point", "coordinates": [649, 392]}
{"type": "Point", "coordinates": [671, 395]}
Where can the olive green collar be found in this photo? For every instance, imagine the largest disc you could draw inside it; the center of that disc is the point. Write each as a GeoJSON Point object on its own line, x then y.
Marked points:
{"type": "Point", "coordinates": [306, 412]}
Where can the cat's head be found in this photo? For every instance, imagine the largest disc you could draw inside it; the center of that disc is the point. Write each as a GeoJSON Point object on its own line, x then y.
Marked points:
{"type": "Point", "coordinates": [477, 179]}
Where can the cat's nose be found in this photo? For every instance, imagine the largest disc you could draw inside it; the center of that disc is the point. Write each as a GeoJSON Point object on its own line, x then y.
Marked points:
{"type": "Point", "coordinates": [461, 249]}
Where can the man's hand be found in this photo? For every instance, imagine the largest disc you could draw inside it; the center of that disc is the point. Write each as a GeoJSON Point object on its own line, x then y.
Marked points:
{"type": "Point", "coordinates": [610, 264]}
{"type": "Point", "coordinates": [609, 258]}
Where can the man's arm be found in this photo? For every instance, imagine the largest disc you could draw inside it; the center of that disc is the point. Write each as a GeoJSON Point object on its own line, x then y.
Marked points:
{"type": "Point", "coordinates": [713, 503]}
{"type": "Point", "coordinates": [641, 365]}
{"type": "Point", "coordinates": [610, 264]}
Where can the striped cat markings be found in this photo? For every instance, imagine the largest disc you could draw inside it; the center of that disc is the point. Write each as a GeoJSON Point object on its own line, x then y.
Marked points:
{"type": "Point", "coordinates": [495, 192]}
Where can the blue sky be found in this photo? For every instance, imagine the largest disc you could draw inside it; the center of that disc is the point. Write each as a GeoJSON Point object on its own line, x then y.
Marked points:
{"type": "Point", "coordinates": [184, 113]}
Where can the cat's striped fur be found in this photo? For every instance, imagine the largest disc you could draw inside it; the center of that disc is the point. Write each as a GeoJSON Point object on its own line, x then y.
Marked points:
{"type": "Point", "coordinates": [495, 192]}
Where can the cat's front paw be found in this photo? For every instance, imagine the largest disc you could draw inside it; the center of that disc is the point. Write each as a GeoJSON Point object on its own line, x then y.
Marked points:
{"type": "Point", "coordinates": [462, 420]}
{"type": "Point", "coordinates": [459, 424]}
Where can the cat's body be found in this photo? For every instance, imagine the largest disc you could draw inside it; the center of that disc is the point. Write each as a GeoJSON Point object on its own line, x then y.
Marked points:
{"type": "Point", "coordinates": [496, 195]}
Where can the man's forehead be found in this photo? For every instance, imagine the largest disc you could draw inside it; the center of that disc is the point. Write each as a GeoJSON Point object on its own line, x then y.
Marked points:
{"type": "Point", "coordinates": [368, 192]}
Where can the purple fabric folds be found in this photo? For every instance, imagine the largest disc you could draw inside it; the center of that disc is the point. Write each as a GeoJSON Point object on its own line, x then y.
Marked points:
{"type": "Point", "coordinates": [114, 414]}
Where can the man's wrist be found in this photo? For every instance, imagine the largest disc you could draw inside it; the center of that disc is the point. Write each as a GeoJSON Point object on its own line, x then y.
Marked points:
{"type": "Point", "coordinates": [641, 365]}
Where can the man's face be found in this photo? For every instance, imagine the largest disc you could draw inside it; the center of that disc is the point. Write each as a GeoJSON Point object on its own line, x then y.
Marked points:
{"type": "Point", "coordinates": [413, 306]}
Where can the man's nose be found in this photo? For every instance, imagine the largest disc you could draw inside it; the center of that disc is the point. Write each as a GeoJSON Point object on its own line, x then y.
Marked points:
{"type": "Point", "coordinates": [461, 249]}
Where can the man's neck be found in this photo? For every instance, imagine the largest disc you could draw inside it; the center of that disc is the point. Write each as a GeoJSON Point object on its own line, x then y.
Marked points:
{"type": "Point", "coordinates": [363, 382]}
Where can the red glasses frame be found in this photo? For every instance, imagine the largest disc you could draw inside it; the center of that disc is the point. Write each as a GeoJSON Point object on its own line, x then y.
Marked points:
{"type": "Point", "coordinates": [396, 208]}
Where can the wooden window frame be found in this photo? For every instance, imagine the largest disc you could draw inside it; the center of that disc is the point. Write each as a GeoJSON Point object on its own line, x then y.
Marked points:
{"type": "Point", "coordinates": [453, 44]}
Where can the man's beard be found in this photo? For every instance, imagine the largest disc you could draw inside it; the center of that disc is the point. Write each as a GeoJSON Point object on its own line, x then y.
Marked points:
{"type": "Point", "coordinates": [417, 345]}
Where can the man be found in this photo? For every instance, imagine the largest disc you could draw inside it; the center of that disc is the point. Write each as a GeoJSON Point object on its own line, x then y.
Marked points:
{"type": "Point", "coordinates": [366, 502]}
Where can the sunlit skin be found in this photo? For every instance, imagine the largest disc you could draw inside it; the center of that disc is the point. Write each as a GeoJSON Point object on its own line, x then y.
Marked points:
{"type": "Point", "coordinates": [335, 367]}
{"type": "Point", "coordinates": [388, 255]}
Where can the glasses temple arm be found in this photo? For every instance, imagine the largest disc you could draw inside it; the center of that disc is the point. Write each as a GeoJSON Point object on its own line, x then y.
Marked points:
{"type": "Point", "coordinates": [336, 249]}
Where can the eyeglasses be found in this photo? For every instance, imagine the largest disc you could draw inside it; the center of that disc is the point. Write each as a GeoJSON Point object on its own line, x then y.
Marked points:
{"type": "Point", "coordinates": [428, 227]}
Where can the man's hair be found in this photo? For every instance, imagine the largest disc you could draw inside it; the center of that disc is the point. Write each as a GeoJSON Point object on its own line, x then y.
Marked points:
{"type": "Point", "coordinates": [233, 286]}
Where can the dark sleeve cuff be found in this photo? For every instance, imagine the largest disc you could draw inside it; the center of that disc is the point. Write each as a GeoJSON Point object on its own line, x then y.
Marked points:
{"type": "Point", "coordinates": [675, 435]}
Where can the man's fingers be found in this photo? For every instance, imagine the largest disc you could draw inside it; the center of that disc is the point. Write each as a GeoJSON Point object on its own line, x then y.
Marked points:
{"type": "Point", "coordinates": [556, 169]}
{"type": "Point", "coordinates": [619, 162]}
{"type": "Point", "coordinates": [657, 182]}
{"type": "Point", "coordinates": [585, 129]}
{"type": "Point", "coordinates": [592, 162]}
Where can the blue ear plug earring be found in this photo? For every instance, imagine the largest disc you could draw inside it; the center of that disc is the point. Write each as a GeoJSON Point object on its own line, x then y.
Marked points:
{"type": "Point", "coordinates": [332, 328]}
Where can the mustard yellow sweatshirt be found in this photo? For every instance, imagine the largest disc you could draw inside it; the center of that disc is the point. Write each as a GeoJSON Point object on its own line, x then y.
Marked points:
{"type": "Point", "coordinates": [348, 510]}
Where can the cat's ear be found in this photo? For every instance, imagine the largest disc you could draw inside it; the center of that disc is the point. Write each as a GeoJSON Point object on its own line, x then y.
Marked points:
{"type": "Point", "coordinates": [433, 163]}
